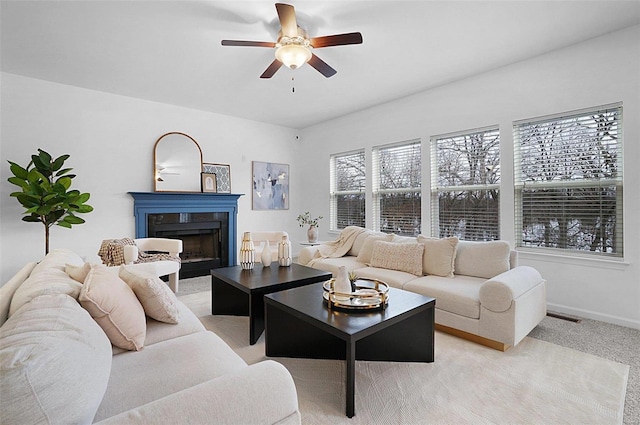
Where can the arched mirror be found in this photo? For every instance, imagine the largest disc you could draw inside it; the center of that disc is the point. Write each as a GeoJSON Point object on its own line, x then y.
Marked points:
{"type": "Point", "coordinates": [177, 158]}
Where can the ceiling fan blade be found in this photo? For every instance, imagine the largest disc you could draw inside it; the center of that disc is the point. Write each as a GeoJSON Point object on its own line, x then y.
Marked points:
{"type": "Point", "coordinates": [336, 40]}
{"type": "Point", "coordinates": [248, 43]}
{"type": "Point", "coordinates": [271, 69]}
{"type": "Point", "coordinates": [322, 67]}
{"type": "Point", "coordinates": [287, 16]}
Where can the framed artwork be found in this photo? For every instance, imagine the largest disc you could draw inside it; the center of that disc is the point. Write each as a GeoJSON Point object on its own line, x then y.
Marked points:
{"type": "Point", "coordinates": [208, 182]}
{"type": "Point", "coordinates": [270, 186]}
{"type": "Point", "coordinates": [223, 175]}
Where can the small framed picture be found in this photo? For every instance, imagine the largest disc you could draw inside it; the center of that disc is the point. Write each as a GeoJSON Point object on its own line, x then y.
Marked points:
{"type": "Point", "coordinates": [208, 182]}
{"type": "Point", "coordinates": [223, 175]}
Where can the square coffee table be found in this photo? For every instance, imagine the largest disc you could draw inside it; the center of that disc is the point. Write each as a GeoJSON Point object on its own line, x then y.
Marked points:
{"type": "Point", "coordinates": [238, 292]}
{"type": "Point", "coordinates": [299, 324]}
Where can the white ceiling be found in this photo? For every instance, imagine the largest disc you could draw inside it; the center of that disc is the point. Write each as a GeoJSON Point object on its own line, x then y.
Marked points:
{"type": "Point", "coordinates": [170, 51]}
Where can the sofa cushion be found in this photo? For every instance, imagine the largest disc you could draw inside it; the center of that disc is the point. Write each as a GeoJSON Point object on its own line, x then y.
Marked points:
{"type": "Point", "coordinates": [115, 307]}
{"type": "Point", "coordinates": [44, 282]}
{"type": "Point", "coordinates": [482, 259]}
{"type": "Point", "coordinates": [8, 289]}
{"type": "Point", "coordinates": [359, 241]}
{"type": "Point", "coordinates": [55, 363]}
{"type": "Point", "coordinates": [158, 301]}
{"type": "Point", "coordinates": [364, 256]}
{"type": "Point", "coordinates": [57, 259]}
{"type": "Point", "coordinates": [333, 264]}
{"type": "Point", "coordinates": [405, 257]}
{"type": "Point", "coordinates": [439, 255]}
{"type": "Point", "coordinates": [393, 278]}
{"type": "Point", "coordinates": [459, 296]}
{"type": "Point", "coordinates": [184, 362]}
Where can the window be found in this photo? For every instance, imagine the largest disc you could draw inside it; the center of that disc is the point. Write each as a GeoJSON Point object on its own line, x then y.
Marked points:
{"type": "Point", "coordinates": [348, 180]}
{"type": "Point", "coordinates": [397, 188]}
{"type": "Point", "coordinates": [568, 176]}
{"type": "Point", "coordinates": [465, 185]}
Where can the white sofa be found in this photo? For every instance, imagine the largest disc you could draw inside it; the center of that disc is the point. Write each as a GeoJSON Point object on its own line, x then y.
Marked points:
{"type": "Point", "coordinates": [59, 367]}
{"type": "Point", "coordinates": [481, 293]}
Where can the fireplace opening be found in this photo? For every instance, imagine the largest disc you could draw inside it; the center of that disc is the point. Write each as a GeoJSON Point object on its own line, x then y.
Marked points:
{"type": "Point", "coordinates": [205, 240]}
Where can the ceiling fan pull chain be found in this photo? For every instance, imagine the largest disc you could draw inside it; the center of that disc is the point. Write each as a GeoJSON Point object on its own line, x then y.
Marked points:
{"type": "Point", "coordinates": [293, 85]}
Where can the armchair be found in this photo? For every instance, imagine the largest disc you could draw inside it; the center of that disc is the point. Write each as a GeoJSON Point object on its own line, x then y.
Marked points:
{"type": "Point", "coordinates": [152, 255]}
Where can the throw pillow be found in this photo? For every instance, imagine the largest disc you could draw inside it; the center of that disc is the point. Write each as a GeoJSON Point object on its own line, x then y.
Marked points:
{"type": "Point", "coordinates": [439, 255]}
{"type": "Point", "coordinates": [158, 301]}
{"type": "Point", "coordinates": [404, 257]}
{"type": "Point", "coordinates": [55, 363]}
{"type": "Point", "coordinates": [483, 259]}
{"type": "Point", "coordinates": [79, 273]}
{"type": "Point", "coordinates": [112, 303]}
{"type": "Point", "coordinates": [44, 282]}
{"type": "Point", "coordinates": [364, 256]}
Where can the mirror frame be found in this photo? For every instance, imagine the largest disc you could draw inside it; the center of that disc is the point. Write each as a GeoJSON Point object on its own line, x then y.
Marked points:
{"type": "Point", "coordinates": [155, 162]}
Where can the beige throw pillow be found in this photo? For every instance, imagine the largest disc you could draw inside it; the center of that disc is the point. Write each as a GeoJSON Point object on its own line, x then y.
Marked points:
{"type": "Point", "coordinates": [439, 255]}
{"type": "Point", "coordinates": [158, 301]}
{"type": "Point", "coordinates": [405, 257]}
{"type": "Point", "coordinates": [483, 259]}
{"type": "Point", "coordinates": [79, 273]}
{"type": "Point", "coordinates": [112, 303]}
{"type": "Point", "coordinates": [364, 256]}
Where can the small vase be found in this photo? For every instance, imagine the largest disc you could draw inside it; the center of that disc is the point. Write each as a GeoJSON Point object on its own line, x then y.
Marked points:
{"type": "Point", "coordinates": [266, 254]}
{"type": "Point", "coordinates": [312, 234]}
{"type": "Point", "coordinates": [247, 252]}
{"type": "Point", "coordinates": [342, 284]}
{"type": "Point", "coordinates": [284, 252]}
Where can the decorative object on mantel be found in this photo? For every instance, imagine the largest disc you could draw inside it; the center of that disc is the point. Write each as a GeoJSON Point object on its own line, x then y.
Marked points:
{"type": "Point", "coordinates": [370, 294]}
{"type": "Point", "coordinates": [177, 159]}
{"type": "Point", "coordinates": [247, 252]}
{"type": "Point", "coordinates": [312, 232]}
{"type": "Point", "coordinates": [223, 175]}
{"type": "Point", "coordinates": [284, 252]}
{"type": "Point", "coordinates": [270, 186]}
{"type": "Point", "coordinates": [45, 193]}
{"type": "Point", "coordinates": [208, 183]}
{"type": "Point", "coordinates": [266, 254]}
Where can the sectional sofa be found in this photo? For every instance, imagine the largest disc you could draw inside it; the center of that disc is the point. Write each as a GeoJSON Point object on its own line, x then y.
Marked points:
{"type": "Point", "coordinates": [115, 349]}
{"type": "Point", "coordinates": [481, 293]}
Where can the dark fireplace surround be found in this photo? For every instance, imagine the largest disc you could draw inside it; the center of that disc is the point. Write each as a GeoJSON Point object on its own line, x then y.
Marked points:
{"type": "Point", "coordinates": [205, 222]}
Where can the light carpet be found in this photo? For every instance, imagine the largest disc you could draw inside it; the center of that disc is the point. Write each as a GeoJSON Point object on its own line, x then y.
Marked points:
{"type": "Point", "coordinates": [535, 382]}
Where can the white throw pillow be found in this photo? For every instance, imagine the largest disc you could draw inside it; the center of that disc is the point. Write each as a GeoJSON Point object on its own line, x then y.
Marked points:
{"type": "Point", "coordinates": [364, 256]}
{"type": "Point", "coordinates": [79, 273]}
{"type": "Point", "coordinates": [405, 257]}
{"type": "Point", "coordinates": [158, 301]}
{"type": "Point", "coordinates": [55, 363]}
{"type": "Point", "coordinates": [483, 259]}
{"type": "Point", "coordinates": [439, 255]}
{"type": "Point", "coordinates": [112, 303]}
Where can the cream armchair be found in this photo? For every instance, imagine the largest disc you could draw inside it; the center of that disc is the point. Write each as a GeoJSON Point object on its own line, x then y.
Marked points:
{"type": "Point", "coordinates": [160, 267]}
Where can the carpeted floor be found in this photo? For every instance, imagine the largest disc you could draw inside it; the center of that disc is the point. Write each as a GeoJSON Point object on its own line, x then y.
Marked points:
{"type": "Point", "coordinates": [604, 340]}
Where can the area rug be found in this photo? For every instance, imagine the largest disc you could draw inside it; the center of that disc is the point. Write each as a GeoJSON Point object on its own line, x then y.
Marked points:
{"type": "Point", "coordinates": [535, 382]}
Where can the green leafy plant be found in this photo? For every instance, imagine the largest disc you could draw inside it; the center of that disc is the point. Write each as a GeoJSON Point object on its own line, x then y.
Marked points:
{"type": "Point", "coordinates": [45, 193]}
{"type": "Point", "coordinates": [306, 219]}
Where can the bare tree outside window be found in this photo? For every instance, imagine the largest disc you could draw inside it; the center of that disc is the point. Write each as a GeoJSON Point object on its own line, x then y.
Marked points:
{"type": "Point", "coordinates": [465, 192]}
{"type": "Point", "coordinates": [569, 182]}
{"type": "Point", "coordinates": [397, 193]}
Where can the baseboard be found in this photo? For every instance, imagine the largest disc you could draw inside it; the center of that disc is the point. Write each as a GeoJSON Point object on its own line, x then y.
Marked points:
{"type": "Point", "coordinates": [593, 315]}
{"type": "Point", "coordinates": [496, 345]}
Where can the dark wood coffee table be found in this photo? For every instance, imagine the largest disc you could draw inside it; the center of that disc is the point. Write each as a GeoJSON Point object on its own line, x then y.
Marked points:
{"type": "Point", "coordinates": [238, 292]}
{"type": "Point", "coordinates": [299, 324]}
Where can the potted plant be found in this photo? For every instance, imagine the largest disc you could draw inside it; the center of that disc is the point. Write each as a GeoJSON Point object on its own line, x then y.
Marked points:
{"type": "Point", "coordinates": [312, 232]}
{"type": "Point", "coordinates": [45, 193]}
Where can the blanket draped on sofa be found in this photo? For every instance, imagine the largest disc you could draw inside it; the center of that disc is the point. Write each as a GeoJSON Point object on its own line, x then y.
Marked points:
{"type": "Point", "coordinates": [340, 247]}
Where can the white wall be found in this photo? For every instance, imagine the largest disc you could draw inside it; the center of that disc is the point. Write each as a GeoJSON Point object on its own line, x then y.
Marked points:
{"type": "Point", "coordinates": [593, 73]}
{"type": "Point", "coordinates": [110, 139]}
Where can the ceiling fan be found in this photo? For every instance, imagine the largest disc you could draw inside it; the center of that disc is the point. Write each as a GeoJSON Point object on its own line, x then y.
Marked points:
{"type": "Point", "coordinates": [293, 48]}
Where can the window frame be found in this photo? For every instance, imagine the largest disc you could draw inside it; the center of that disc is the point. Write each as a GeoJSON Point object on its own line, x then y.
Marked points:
{"type": "Point", "coordinates": [334, 193]}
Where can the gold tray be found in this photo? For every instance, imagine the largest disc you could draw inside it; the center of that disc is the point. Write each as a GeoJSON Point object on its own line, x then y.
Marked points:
{"type": "Point", "coordinates": [369, 294]}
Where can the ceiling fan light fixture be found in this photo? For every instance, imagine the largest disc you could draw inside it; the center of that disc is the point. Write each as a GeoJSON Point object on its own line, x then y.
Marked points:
{"type": "Point", "coordinates": [293, 51]}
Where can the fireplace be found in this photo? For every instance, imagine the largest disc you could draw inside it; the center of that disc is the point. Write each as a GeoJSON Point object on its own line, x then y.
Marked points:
{"type": "Point", "coordinates": [205, 222]}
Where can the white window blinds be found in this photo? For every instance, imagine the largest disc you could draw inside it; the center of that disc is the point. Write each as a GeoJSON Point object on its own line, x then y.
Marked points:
{"type": "Point", "coordinates": [348, 182]}
{"type": "Point", "coordinates": [568, 176]}
{"type": "Point", "coordinates": [397, 189]}
{"type": "Point", "coordinates": [465, 185]}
